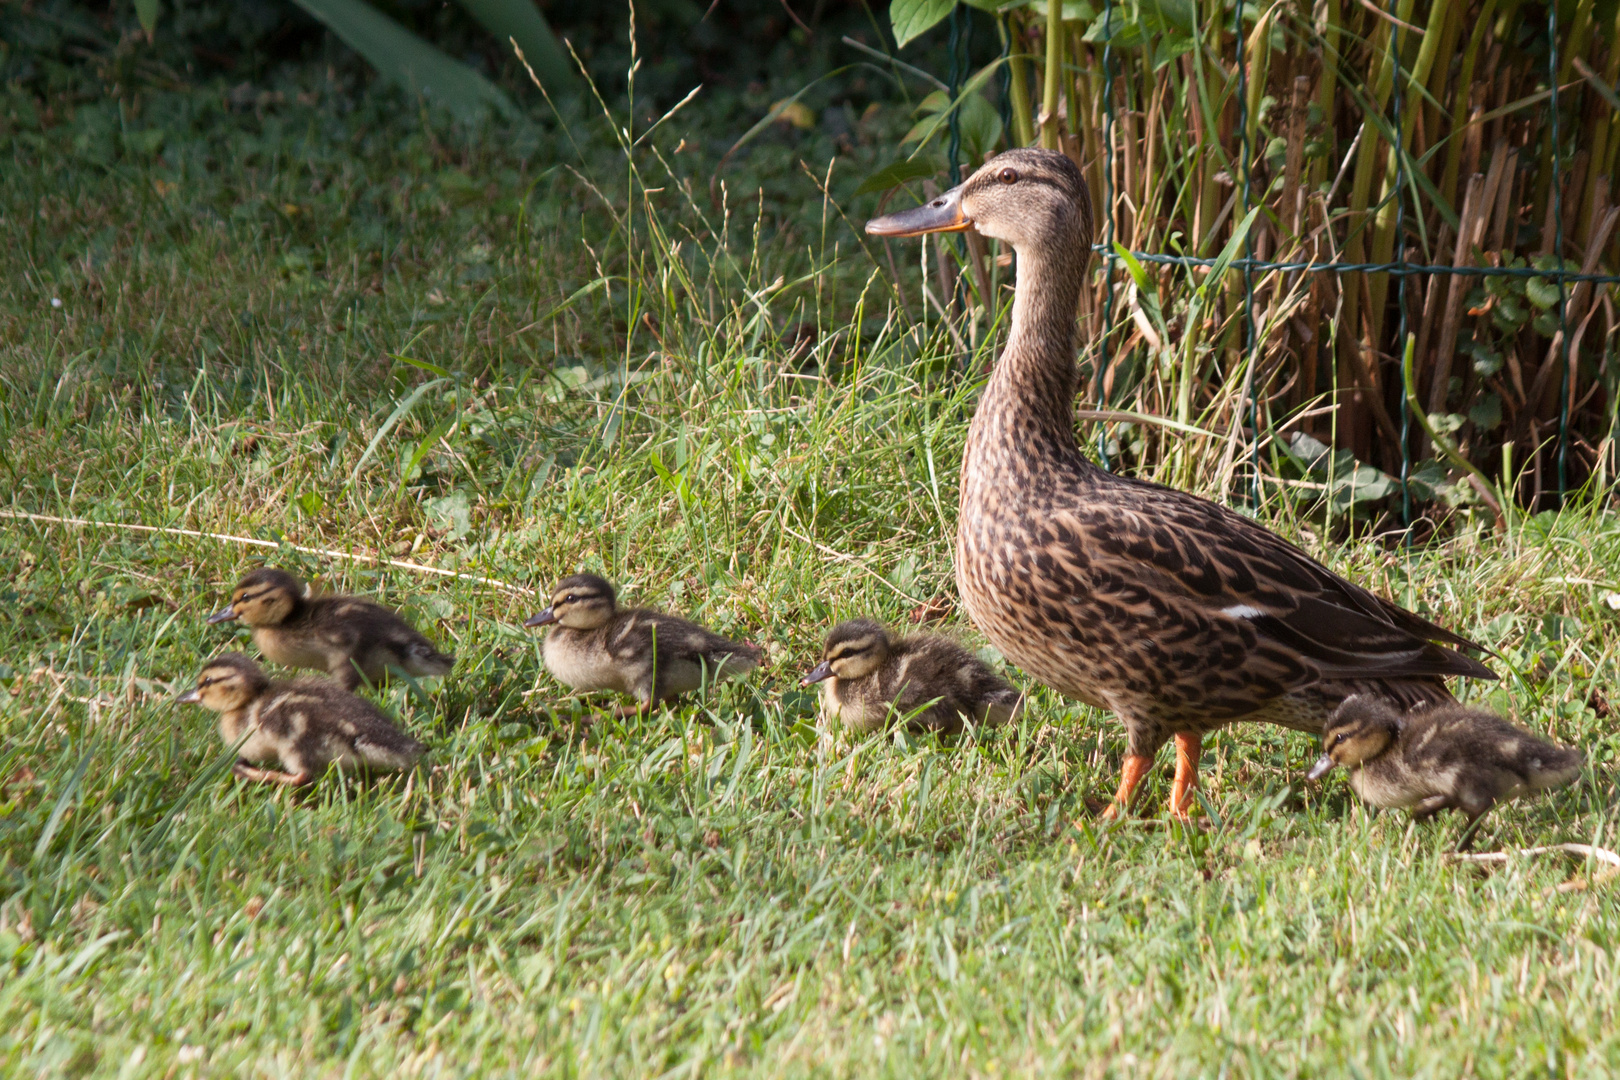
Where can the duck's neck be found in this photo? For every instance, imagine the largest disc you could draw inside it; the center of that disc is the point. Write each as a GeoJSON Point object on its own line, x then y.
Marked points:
{"type": "Point", "coordinates": [1034, 381]}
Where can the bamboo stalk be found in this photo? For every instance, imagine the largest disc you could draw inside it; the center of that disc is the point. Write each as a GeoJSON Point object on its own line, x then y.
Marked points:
{"type": "Point", "coordinates": [1050, 124]}
{"type": "Point", "coordinates": [1440, 378]}
{"type": "Point", "coordinates": [1019, 83]}
{"type": "Point", "coordinates": [1383, 243]}
{"type": "Point", "coordinates": [1462, 95]}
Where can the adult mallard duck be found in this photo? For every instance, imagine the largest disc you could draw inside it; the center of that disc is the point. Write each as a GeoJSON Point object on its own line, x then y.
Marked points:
{"type": "Point", "coordinates": [1176, 613]}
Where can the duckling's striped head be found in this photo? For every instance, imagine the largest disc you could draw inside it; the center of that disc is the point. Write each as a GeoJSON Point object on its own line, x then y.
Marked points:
{"type": "Point", "coordinates": [579, 602]}
{"type": "Point", "coordinates": [228, 681]}
{"type": "Point", "coordinates": [854, 650]}
{"type": "Point", "coordinates": [265, 597]}
{"type": "Point", "coordinates": [1359, 730]}
{"type": "Point", "coordinates": [1028, 197]}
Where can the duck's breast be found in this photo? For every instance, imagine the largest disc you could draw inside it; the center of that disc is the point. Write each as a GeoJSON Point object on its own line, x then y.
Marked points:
{"type": "Point", "coordinates": [581, 663]}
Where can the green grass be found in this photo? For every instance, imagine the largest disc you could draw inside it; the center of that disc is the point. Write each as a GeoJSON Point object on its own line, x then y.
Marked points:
{"type": "Point", "coordinates": [722, 888]}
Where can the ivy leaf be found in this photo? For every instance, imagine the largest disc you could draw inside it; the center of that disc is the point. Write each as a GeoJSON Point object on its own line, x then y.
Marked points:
{"type": "Point", "coordinates": [1542, 293]}
{"type": "Point", "coordinates": [1486, 413]}
{"type": "Point", "coordinates": [912, 17]}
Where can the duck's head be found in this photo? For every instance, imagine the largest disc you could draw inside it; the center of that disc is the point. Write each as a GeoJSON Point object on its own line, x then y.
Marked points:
{"type": "Point", "coordinates": [228, 681]}
{"type": "Point", "coordinates": [1029, 198]}
{"type": "Point", "coordinates": [266, 597]}
{"type": "Point", "coordinates": [580, 602]}
{"type": "Point", "coordinates": [854, 650]}
{"type": "Point", "coordinates": [1359, 730]}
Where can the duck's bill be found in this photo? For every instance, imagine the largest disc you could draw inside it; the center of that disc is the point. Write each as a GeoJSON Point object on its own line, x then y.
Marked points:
{"type": "Point", "coordinates": [942, 214]}
{"type": "Point", "coordinates": [190, 697]}
{"type": "Point", "coordinates": [1323, 766]}
{"type": "Point", "coordinates": [545, 618]}
{"type": "Point", "coordinates": [821, 671]}
{"type": "Point", "coordinates": [222, 616]}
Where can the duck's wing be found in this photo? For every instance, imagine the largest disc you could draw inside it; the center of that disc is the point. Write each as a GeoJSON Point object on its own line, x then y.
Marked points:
{"type": "Point", "coordinates": [1191, 567]}
{"type": "Point", "coordinates": [680, 638]}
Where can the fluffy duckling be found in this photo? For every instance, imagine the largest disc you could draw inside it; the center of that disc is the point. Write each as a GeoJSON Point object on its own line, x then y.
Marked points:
{"type": "Point", "coordinates": [647, 654]}
{"type": "Point", "coordinates": [305, 725]}
{"type": "Point", "coordinates": [869, 675]}
{"type": "Point", "coordinates": [1439, 757]}
{"type": "Point", "coordinates": [349, 638]}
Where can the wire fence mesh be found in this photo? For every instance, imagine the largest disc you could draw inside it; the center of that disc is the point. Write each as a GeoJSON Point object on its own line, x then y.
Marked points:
{"type": "Point", "coordinates": [1328, 288]}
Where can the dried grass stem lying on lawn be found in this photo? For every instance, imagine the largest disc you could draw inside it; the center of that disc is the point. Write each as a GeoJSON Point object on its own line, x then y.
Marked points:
{"type": "Point", "coordinates": [252, 541]}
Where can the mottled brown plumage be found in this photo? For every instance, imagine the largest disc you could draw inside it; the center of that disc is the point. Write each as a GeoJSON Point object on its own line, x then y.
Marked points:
{"type": "Point", "coordinates": [350, 638]}
{"type": "Point", "coordinates": [306, 725]}
{"type": "Point", "coordinates": [1446, 756]}
{"type": "Point", "coordinates": [869, 678]}
{"type": "Point", "coordinates": [651, 656]}
{"type": "Point", "coordinates": [1176, 613]}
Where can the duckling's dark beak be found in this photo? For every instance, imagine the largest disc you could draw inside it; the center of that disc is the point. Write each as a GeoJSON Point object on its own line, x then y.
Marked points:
{"type": "Point", "coordinates": [941, 214]}
{"type": "Point", "coordinates": [190, 697]}
{"type": "Point", "coordinates": [1323, 766]}
{"type": "Point", "coordinates": [226, 615]}
{"type": "Point", "coordinates": [821, 671]}
{"type": "Point", "coordinates": [545, 618]}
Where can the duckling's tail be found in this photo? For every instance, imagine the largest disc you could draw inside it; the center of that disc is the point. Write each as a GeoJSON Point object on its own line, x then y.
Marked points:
{"type": "Point", "coordinates": [395, 754]}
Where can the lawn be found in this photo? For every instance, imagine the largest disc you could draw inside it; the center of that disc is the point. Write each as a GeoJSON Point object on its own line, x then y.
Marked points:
{"type": "Point", "coordinates": [445, 370]}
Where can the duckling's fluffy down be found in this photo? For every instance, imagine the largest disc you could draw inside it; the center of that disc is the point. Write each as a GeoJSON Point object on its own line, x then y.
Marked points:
{"type": "Point", "coordinates": [931, 682]}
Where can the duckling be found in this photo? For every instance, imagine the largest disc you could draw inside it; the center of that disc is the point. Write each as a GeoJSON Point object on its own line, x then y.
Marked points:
{"type": "Point", "coordinates": [649, 655]}
{"type": "Point", "coordinates": [306, 725]}
{"type": "Point", "coordinates": [350, 638]}
{"type": "Point", "coordinates": [1439, 757]}
{"type": "Point", "coordinates": [868, 674]}
{"type": "Point", "coordinates": [1175, 613]}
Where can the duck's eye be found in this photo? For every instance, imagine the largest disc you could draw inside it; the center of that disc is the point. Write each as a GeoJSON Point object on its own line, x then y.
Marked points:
{"type": "Point", "coordinates": [1008, 176]}
{"type": "Point", "coordinates": [570, 598]}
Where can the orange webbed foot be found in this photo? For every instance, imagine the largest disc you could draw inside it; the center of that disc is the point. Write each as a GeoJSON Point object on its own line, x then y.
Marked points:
{"type": "Point", "coordinates": [1189, 747]}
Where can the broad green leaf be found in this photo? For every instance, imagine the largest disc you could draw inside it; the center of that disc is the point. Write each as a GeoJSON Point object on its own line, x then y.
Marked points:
{"type": "Point", "coordinates": [1147, 290]}
{"type": "Point", "coordinates": [898, 173]}
{"type": "Point", "coordinates": [147, 12]}
{"type": "Point", "coordinates": [1073, 10]}
{"type": "Point", "coordinates": [1230, 251]}
{"type": "Point", "coordinates": [911, 17]}
{"type": "Point", "coordinates": [407, 60]}
{"type": "Point", "coordinates": [521, 21]}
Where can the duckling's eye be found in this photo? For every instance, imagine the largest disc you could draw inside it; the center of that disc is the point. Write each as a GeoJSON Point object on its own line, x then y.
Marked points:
{"type": "Point", "coordinates": [570, 598]}
{"type": "Point", "coordinates": [1008, 176]}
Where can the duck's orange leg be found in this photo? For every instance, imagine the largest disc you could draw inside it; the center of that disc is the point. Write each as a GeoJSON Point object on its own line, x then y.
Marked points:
{"type": "Point", "coordinates": [1130, 775]}
{"type": "Point", "coordinates": [1189, 746]}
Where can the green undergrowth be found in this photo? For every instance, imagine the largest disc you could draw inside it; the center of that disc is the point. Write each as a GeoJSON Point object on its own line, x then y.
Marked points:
{"type": "Point", "coordinates": [714, 400]}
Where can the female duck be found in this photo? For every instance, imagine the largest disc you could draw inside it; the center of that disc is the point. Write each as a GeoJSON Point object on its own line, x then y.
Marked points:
{"type": "Point", "coordinates": [1176, 613]}
{"type": "Point", "coordinates": [1447, 756]}
{"type": "Point", "coordinates": [305, 726]}
{"type": "Point", "coordinates": [647, 654]}
{"type": "Point", "coordinates": [349, 638]}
